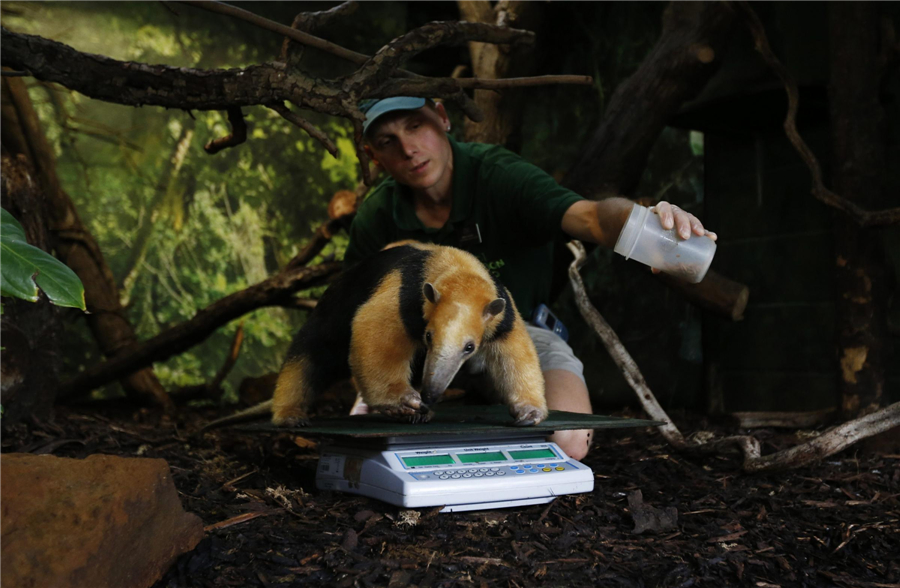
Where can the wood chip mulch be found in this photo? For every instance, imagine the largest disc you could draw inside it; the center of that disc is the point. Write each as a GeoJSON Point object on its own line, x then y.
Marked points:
{"type": "Point", "coordinates": [704, 523]}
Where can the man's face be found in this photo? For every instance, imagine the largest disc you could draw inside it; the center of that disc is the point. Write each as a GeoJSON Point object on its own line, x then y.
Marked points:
{"type": "Point", "coordinates": [412, 146]}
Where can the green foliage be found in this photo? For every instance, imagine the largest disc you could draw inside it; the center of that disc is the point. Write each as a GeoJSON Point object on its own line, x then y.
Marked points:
{"type": "Point", "coordinates": [223, 222]}
{"type": "Point", "coordinates": [26, 269]}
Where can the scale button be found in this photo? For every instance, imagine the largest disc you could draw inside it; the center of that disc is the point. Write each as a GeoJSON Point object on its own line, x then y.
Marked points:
{"type": "Point", "coordinates": [444, 477]}
{"type": "Point", "coordinates": [467, 475]}
{"type": "Point", "coordinates": [479, 474]}
{"type": "Point", "coordinates": [455, 476]}
{"type": "Point", "coordinates": [489, 474]}
{"type": "Point", "coordinates": [439, 473]}
{"type": "Point", "coordinates": [484, 469]}
{"type": "Point", "coordinates": [547, 469]}
{"type": "Point", "coordinates": [473, 470]}
{"type": "Point", "coordinates": [495, 469]}
{"type": "Point", "coordinates": [501, 473]}
{"type": "Point", "coordinates": [560, 468]}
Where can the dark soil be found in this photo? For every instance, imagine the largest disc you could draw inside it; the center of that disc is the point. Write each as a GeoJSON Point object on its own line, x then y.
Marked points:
{"type": "Point", "coordinates": [835, 524]}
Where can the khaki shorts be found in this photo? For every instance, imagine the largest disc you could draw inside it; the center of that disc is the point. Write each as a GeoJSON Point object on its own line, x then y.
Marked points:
{"type": "Point", "coordinates": [554, 353]}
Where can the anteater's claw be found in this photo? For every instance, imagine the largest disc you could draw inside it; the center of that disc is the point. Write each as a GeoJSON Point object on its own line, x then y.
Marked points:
{"type": "Point", "coordinates": [528, 416]}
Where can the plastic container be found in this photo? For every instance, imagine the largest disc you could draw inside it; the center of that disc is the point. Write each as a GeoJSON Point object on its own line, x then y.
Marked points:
{"type": "Point", "coordinates": [643, 238]}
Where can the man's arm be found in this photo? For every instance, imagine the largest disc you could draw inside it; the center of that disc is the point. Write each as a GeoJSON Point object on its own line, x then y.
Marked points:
{"type": "Point", "coordinates": [601, 221]}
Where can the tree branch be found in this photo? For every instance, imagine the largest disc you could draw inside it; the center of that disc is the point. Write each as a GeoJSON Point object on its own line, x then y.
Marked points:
{"type": "Point", "coordinates": [269, 292]}
{"type": "Point", "coordinates": [294, 34]}
{"type": "Point", "coordinates": [309, 21]}
{"type": "Point", "coordinates": [238, 133]}
{"type": "Point", "coordinates": [861, 216]}
{"type": "Point", "coordinates": [311, 129]}
{"type": "Point", "coordinates": [392, 56]}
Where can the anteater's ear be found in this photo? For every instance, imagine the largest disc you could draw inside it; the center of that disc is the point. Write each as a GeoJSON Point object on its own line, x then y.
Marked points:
{"type": "Point", "coordinates": [494, 308]}
{"type": "Point", "coordinates": [431, 293]}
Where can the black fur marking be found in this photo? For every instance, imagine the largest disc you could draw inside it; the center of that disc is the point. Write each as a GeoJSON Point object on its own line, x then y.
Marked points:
{"type": "Point", "coordinates": [506, 323]}
{"type": "Point", "coordinates": [412, 295]}
{"type": "Point", "coordinates": [325, 338]}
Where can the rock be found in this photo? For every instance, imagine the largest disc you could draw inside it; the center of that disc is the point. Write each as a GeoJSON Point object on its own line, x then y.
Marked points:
{"type": "Point", "coordinates": [101, 521]}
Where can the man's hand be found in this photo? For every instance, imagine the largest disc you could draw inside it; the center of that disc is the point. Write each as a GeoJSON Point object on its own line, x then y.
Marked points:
{"type": "Point", "coordinates": [686, 223]}
{"type": "Point", "coordinates": [672, 216]}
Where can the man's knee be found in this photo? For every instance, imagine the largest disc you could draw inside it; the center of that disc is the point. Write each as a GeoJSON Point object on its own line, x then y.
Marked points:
{"type": "Point", "coordinates": [576, 443]}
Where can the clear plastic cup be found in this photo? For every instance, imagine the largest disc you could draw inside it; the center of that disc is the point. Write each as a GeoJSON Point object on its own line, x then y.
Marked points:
{"type": "Point", "coordinates": [643, 238]}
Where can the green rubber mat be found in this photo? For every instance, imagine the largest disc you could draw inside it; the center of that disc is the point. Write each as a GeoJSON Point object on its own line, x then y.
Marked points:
{"type": "Point", "coordinates": [460, 420]}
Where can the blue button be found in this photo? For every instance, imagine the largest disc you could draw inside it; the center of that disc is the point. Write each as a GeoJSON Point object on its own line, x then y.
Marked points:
{"type": "Point", "coordinates": [519, 471]}
{"type": "Point", "coordinates": [513, 467]}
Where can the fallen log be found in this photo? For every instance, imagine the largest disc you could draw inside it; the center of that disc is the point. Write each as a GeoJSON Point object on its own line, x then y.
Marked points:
{"type": "Point", "coordinates": [828, 443]}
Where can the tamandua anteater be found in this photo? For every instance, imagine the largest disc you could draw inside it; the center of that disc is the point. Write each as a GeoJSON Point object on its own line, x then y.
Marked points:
{"type": "Point", "coordinates": [384, 314]}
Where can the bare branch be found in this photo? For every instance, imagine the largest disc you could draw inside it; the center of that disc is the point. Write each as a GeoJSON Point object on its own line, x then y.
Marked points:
{"type": "Point", "coordinates": [358, 139]}
{"type": "Point", "coordinates": [618, 352]}
{"type": "Point", "coordinates": [395, 54]}
{"type": "Point", "coordinates": [307, 22]}
{"type": "Point", "coordinates": [506, 83]}
{"type": "Point", "coordinates": [238, 133]}
{"type": "Point", "coordinates": [862, 217]}
{"type": "Point", "coordinates": [296, 35]}
{"type": "Point", "coordinates": [311, 129]}
{"type": "Point", "coordinates": [230, 360]}
{"type": "Point", "coordinates": [269, 292]}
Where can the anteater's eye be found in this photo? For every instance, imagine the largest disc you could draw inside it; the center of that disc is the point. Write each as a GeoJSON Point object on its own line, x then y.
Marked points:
{"type": "Point", "coordinates": [469, 348]}
{"type": "Point", "coordinates": [428, 337]}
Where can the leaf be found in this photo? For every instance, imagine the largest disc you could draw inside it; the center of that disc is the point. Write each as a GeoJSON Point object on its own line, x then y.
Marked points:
{"type": "Point", "coordinates": [25, 269]}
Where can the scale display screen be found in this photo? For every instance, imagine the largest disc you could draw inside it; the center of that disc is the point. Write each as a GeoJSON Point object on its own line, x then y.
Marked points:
{"type": "Point", "coordinates": [481, 457]}
{"type": "Point", "coordinates": [428, 460]}
{"type": "Point", "coordinates": [532, 454]}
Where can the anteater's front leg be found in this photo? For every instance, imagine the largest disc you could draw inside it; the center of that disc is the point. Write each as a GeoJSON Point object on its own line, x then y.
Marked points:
{"type": "Point", "coordinates": [381, 361]}
{"type": "Point", "coordinates": [513, 365]}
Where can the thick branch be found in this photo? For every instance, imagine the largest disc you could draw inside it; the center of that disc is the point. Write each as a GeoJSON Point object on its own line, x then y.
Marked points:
{"type": "Point", "coordinates": [269, 292]}
{"type": "Point", "coordinates": [136, 84]}
{"type": "Point", "coordinates": [679, 65]}
{"type": "Point", "coordinates": [861, 216]}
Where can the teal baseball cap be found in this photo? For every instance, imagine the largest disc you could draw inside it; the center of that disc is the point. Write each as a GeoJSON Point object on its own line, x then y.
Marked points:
{"type": "Point", "coordinates": [373, 109]}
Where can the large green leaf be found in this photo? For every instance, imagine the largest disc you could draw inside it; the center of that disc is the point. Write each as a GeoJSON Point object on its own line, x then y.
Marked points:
{"type": "Point", "coordinates": [24, 269]}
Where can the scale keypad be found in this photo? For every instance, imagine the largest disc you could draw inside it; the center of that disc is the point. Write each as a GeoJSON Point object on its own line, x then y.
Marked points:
{"type": "Point", "coordinates": [488, 472]}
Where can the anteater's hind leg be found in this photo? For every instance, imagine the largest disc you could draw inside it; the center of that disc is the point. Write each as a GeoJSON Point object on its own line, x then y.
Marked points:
{"type": "Point", "coordinates": [293, 393]}
{"type": "Point", "coordinates": [381, 355]}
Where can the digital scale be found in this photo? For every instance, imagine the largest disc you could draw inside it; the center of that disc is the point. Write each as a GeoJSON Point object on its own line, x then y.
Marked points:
{"type": "Point", "coordinates": [465, 458]}
{"type": "Point", "coordinates": [482, 473]}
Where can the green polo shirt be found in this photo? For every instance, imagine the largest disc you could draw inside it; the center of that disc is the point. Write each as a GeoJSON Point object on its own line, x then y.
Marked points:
{"type": "Point", "coordinates": [505, 211]}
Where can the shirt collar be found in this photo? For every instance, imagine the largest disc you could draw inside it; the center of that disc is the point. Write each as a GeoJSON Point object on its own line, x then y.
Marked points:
{"type": "Point", "coordinates": [463, 187]}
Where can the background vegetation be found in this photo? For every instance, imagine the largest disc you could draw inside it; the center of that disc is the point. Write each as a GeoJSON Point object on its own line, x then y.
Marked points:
{"type": "Point", "coordinates": [216, 224]}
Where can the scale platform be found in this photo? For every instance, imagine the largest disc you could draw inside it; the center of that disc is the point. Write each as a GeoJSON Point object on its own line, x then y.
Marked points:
{"type": "Point", "coordinates": [466, 458]}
